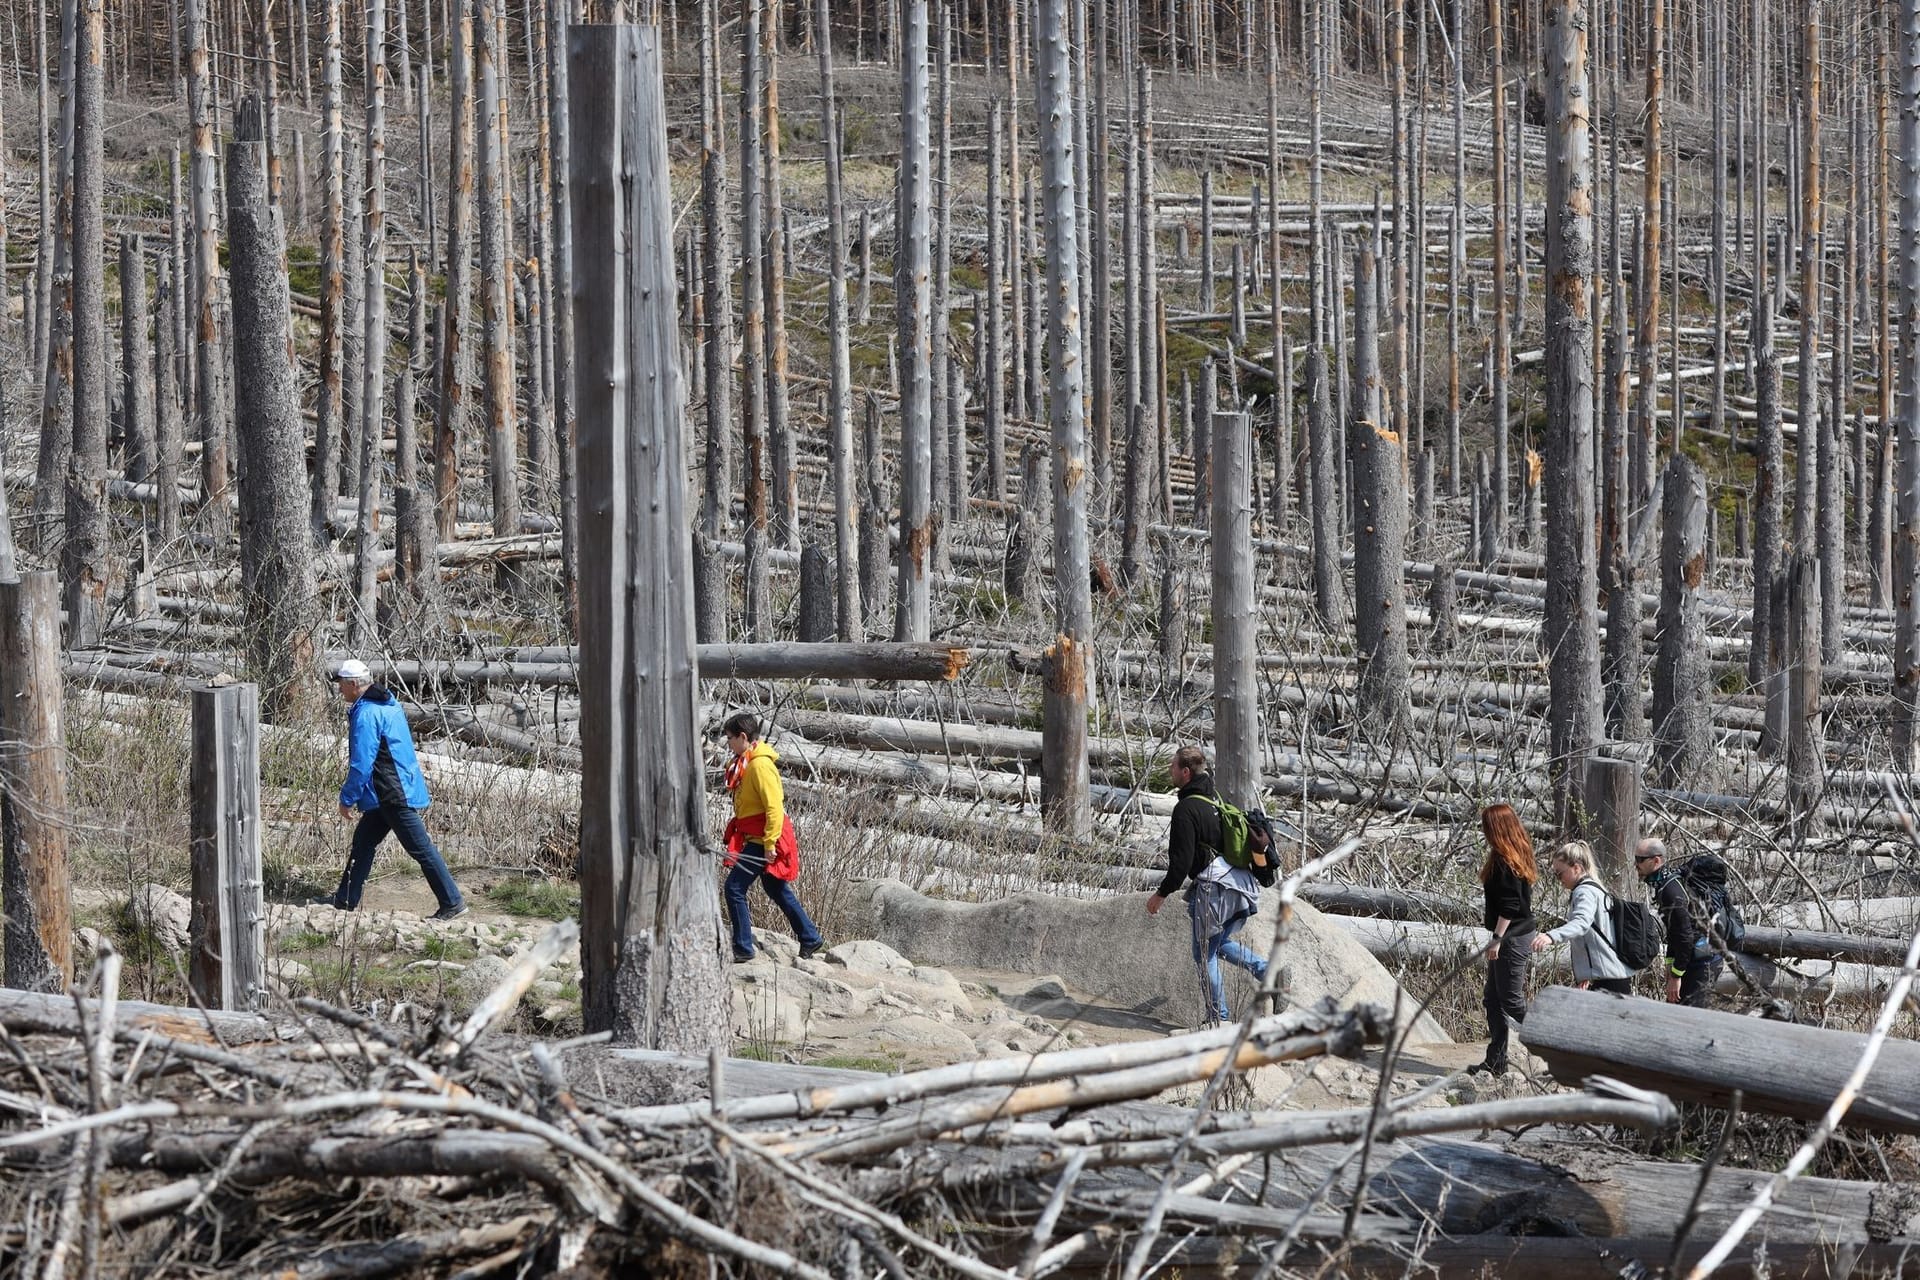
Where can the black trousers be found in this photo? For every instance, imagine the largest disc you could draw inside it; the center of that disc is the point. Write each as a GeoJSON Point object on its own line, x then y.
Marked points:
{"type": "Point", "coordinates": [1619, 986]}
{"type": "Point", "coordinates": [1696, 984]}
{"type": "Point", "coordinates": [1506, 993]}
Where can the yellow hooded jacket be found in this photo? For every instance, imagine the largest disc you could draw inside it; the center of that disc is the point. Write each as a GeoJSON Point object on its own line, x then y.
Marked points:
{"type": "Point", "coordinates": [759, 793]}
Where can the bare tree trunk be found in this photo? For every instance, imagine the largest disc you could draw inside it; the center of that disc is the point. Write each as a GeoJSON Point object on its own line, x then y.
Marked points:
{"type": "Point", "coordinates": [35, 880]}
{"type": "Point", "coordinates": [560, 194]}
{"type": "Point", "coordinates": [136, 368]}
{"type": "Point", "coordinates": [716, 279]}
{"type": "Point", "coordinates": [1328, 592]}
{"type": "Point", "coordinates": [1806, 767]}
{"type": "Point", "coordinates": [168, 428]}
{"type": "Point", "coordinates": [56, 326]}
{"type": "Point", "coordinates": [84, 554]}
{"type": "Point", "coordinates": [773, 278]}
{"type": "Point", "coordinates": [874, 507]}
{"type": "Point", "coordinates": [996, 370]}
{"type": "Point", "coordinates": [1617, 570]}
{"type": "Point", "coordinates": [450, 422]}
{"type": "Point", "coordinates": [1379, 520]}
{"type": "Point", "coordinates": [1571, 629]}
{"type": "Point", "coordinates": [1502, 330]}
{"type": "Point", "coordinates": [1064, 777]}
{"type": "Point", "coordinates": [414, 540]}
{"type": "Point", "coordinates": [373, 371]}
{"type": "Point", "coordinates": [1456, 249]}
{"type": "Point", "coordinates": [913, 616]}
{"type": "Point", "coordinates": [840, 373]}
{"type": "Point", "coordinates": [276, 567]}
{"type": "Point", "coordinates": [495, 274]}
{"type": "Point", "coordinates": [1647, 275]}
{"type": "Point", "coordinates": [753, 335]}
{"type": "Point", "coordinates": [1682, 673]}
{"type": "Point", "coordinates": [651, 913]}
{"type": "Point", "coordinates": [330, 403]}
{"type": "Point", "coordinates": [1906, 540]}
{"type": "Point", "coordinates": [1768, 495]}
{"type": "Point", "coordinates": [211, 400]}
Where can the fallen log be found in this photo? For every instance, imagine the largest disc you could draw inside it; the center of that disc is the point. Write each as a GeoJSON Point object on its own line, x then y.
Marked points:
{"type": "Point", "coordinates": [22, 1012]}
{"type": "Point", "coordinates": [1701, 1055]}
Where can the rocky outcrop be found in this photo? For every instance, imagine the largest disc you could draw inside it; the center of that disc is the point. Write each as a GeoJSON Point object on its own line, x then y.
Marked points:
{"type": "Point", "coordinates": [1110, 948]}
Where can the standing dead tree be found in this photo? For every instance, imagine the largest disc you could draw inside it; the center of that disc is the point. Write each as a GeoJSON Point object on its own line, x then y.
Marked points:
{"type": "Point", "coordinates": [84, 553]}
{"type": "Point", "coordinates": [1379, 518]}
{"type": "Point", "coordinates": [330, 406]}
{"type": "Point", "coordinates": [1571, 633]}
{"type": "Point", "coordinates": [839, 372]}
{"type": "Point", "coordinates": [1236, 697]}
{"type": "Point", "coordinates": [1063, 759]}
{"type": "Point", "coordinates": [1906, 541]}
{"type": "Point", "coordinates": [276, 569]}
{"type": "Point", "coordinates": [495, 276]}
{"type": "Point", "coordinates": [450, 416]}
{"type": "Point", "coordinates": [35, 884]}
{"type": "Point", "coordinates": [650, 908]}
{"type": "Point", "coordinates": [913, 613]}
{"type": "Point", "coordinates": [1683, 672]}
{"type": "Point", "coordinates": [373, 368]}
{"type": "Point", "coordinates": [210, 399]}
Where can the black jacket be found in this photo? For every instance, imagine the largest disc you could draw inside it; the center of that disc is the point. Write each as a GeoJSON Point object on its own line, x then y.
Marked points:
{"type": "Point", "coordinates": [1195, 836]}
{"type": "Point", "coordinates": [1676, 913]}
{"type": "Point", "coordinates": [1510, 897]}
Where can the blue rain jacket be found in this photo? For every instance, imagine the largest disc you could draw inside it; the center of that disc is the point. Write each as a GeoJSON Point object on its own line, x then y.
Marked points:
{"type": "Point", "coordinates": [381, 766]}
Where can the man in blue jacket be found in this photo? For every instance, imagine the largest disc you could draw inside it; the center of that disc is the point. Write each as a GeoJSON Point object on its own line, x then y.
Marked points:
{"type": "Point", "coordinates": [384, 784]}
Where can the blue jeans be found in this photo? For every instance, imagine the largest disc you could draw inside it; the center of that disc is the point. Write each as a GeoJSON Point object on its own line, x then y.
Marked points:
{"type": "Point", "coordinates": [1208, 955]}
{"type": "Point", "coordinates": [405, 823]}
{"type": "Point", "coordinates": [753, 866]}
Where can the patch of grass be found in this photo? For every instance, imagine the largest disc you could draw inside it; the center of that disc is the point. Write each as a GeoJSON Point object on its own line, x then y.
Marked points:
{"type": "Point", "coordinates": [541, 899]}
{"type": "Point", "coordinates": [301, 940]}
{"type": "Point", "coordinates": [757, 1051]}
{"type": "Point", "coordinates": [885, 1065]}
{"type": "Point", "coordinates": [441, 947]}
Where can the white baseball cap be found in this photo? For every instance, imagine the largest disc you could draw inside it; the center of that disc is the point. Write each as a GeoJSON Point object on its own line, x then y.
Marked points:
{"type": "Point", "coordinates": [355, 670]}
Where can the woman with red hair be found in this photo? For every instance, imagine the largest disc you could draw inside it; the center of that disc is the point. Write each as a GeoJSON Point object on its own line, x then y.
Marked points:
{"type": "Point", "coordinates": [1507, 877]}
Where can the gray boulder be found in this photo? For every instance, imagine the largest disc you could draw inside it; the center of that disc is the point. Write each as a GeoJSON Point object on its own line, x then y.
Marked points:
{"type": "Point", "coordinates": [164, 914]}
{"type": "Point", "coordinates": [1110, 948]}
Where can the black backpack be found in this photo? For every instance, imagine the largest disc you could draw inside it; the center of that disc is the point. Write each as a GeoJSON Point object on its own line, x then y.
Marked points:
{"type": "Point", "coordinates": [1704, 877]}
{"type": "Point", "coordinates": [1636, 931]}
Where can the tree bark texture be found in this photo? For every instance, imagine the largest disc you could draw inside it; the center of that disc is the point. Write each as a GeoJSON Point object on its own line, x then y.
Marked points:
{"type": "Point", "coordinates": [913, 613]}
{"type": "Point", "coordinates": [35, 884]}
{"type": "Point", "coordinates": [84, 554]}
{"type": "Point", "coordinates": [1682, 671]}
{"type": "Point", "coordinates": [1379, 518]}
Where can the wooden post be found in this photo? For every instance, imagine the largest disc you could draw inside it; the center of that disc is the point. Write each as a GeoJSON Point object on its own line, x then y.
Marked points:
{"type": "Point", "coordinates": [1611, 797]}
{"type": "Point", "coordinates": [1682, 673]}
{"type": "Point", "coordinates": [650, 908]}
{"type": "Point", "coordinates": [227, 929]}
{"type": "Point", "coordinates": [1571, 631]}
{"type": "Point", "coordinates": [1236, 690]}
{"type": "Point", "coordinates": [34, 880]}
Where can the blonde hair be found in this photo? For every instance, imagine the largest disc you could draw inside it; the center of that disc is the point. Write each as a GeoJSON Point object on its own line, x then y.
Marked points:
{"type": "Point", "coordinates": [1575, 853]}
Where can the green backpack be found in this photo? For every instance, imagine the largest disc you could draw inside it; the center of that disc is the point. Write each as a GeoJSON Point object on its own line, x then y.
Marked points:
{"type": "Point", "coordinates": [1236, 844]}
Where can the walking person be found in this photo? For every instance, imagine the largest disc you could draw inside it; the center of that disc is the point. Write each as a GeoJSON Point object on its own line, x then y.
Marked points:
{"type": "Point", "coordinates": [1596, 958]}
{"type": "Point", "coordinates": [1221, 898]}
{"type": "Point", "coordinates": [760, 824]}
{"type": "Point", "coordinates": [1507, 877]}
{"type": "Point", "coordinates": [1693, 966]}
{"type": "Point", "coordinates": [385, 786]}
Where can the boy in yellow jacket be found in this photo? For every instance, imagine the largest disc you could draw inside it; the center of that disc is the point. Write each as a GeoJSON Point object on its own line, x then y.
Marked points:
{"type": "Point", "coordinates": [760, 824]}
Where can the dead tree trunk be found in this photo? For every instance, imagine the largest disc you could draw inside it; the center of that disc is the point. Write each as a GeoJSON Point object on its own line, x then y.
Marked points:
{"type": "Point", "coordinates": [1322, 472]}
{"type": "Point", "coordinates": [773, 278]}
{"type": "Point", "coordinates": [1646, 277]}
{"type": "Point", "coordinates": [495, 277]}
{"type": "Point", "coordinates": [329, 405]}
{"type": "Point", "coordinates": [136, 367]}
{"type": "Point", "coordinates": [1379, 520]}
{"type": "Point", "coordinates": [1683, 671]}
{"type": "Point", "coordinates": [753, 333]}
{"type": "Point", "coordinates": [1906, 540]}
{"type": "Point", "coordinates": [83, 559]}
{"type": "Point", "coordinates": [1064, 780]}
{"type": "Point", "coordinates": [276, 567]}
{"type": "Point", "coordinates": [227, 953]}
{"type": "Point", "coordinates": [210, 395]}
{"type": "Point", "coordinates": [373, 347]}
{"type": "Point", "coordinates": [560, 194]}
{"type": "Point", "coordinates": [1617, 573]}
{"type": "Point", "coordinates": [1502, 332]}
{"type": "Point", "coordinates": [1806, 765]}
{"type": "Point", "coordinates": [913, 615]}
{"type": "Point", "coordinates": [840, 372]}
{"type": "Point", "coordinates": [1236, 699]}
{"type": "Point", "coordinates": [1571, 630]}
{"type": "Point", "coordinates": [168, 427]}
{"type": "Point", "coordinates": [450, 419]}
{"type": "Point", "coordinates": [650, 910]}
{"type": "Point", "coordinates": [35, 883]}
{"type": "Point", "coordinates": [414, 543]}
{"type": "Point", "coordinates": [874, 508]}
{"type": "Point", "coordinates": [995, 373]}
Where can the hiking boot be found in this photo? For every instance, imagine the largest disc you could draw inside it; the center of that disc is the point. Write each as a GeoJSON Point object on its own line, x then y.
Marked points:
{"type": "Point", "coordinates": [335, 903]}
{"type": "Point", "coordinates": [453, 912]}
{"type": "Point", "coordinates": [809, 952]}
{"type": "Point", "coordinates": [743, 957]}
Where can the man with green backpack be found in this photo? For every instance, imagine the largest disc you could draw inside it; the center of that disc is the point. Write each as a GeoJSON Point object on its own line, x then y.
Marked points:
{"type": "Point", "coordinates": [1226, 858]}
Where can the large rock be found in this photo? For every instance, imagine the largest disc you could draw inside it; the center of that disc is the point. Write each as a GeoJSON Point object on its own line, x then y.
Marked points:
{"type": "Point", "coordinates": [167, 916]}
{"type": "Point", "coordinates": [1110, 948]}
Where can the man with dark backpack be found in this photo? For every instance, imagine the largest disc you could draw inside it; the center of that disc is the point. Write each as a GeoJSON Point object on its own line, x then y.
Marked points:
{"type": "Point", "coordinates": [1693, 965]}
{"type": "Point", "coordinates": [1211, 844]}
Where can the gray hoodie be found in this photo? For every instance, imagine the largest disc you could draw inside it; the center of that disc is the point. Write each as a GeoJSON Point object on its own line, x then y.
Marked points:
{"type": "Point", "coordinates": [1590, 930]}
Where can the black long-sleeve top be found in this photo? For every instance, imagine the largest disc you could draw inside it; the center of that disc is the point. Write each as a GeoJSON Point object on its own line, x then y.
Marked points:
{"type": "Point", "coordinates": [1508, 897]}
{"type": "Point", "coordinates": [1195, 835]}
{"type": "Point", "coordinates": [1676, 913]}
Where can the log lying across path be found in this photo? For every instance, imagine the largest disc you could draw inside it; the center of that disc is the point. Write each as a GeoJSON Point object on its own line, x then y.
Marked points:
{"type": "Point", "coordinates": [1701, 1055]}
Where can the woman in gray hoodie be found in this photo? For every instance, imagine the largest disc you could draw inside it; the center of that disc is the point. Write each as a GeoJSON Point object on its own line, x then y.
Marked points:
{"type": "Point", "coordinates": [1589, 925]}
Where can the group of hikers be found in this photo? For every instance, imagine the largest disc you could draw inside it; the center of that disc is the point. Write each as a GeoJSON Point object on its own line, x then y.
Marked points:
{"type": "Point", "coordinates": [385, 792]}
{"type": "Point", "coordinates": [1221, 855]}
